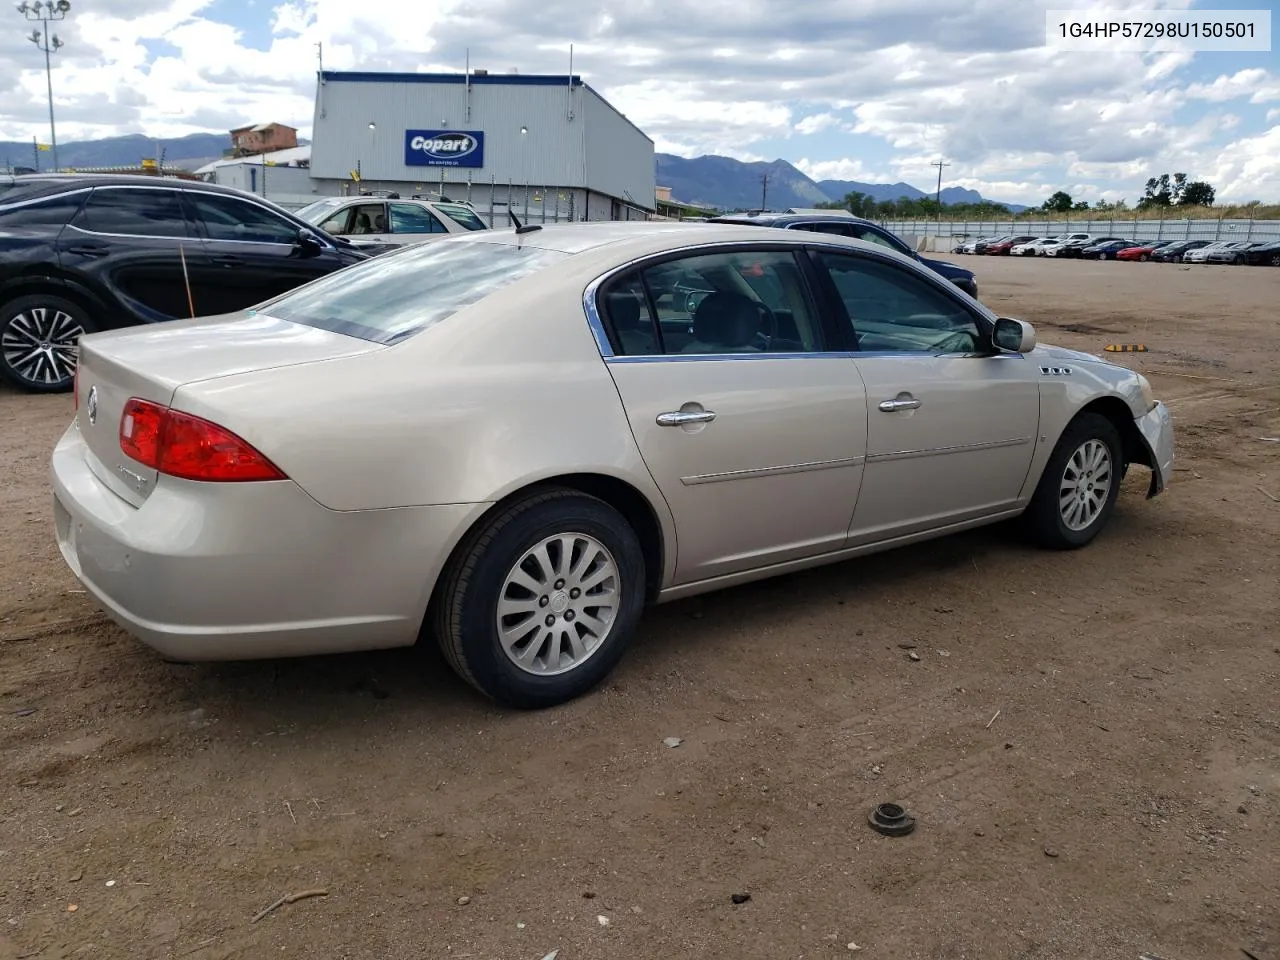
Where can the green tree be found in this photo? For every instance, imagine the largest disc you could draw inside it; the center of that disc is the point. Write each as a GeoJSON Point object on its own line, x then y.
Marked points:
{"type": "Point", "coordinates": [1060, 202]}
{"type": "Point", "coordinates": [1197, 193]}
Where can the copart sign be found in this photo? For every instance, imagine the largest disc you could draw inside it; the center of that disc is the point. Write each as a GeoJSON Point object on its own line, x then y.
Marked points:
{"type": "Point", "coordinates": [444, 148]}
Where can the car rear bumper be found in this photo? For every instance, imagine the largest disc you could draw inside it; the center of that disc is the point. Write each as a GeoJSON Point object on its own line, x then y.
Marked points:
{"type": "Point", "coordinates": [1156, 428]}
{"type": "Point", "coordinates": [233, 571]}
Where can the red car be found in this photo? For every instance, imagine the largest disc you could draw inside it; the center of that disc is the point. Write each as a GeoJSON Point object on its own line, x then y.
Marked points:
{"type": "Point", "coordinates": [1002, 248]}
{"type": "Point", "coordinates": [1142, 253]}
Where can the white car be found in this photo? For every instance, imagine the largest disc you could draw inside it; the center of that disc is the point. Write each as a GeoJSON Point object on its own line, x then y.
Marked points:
{"type": "Point", "coordinates": [1202, 254]}
{"type": "Point", "coordinates": [1034, 247]}
{"type": "Point", "coordinates": [511, 441]}
{"type": "Point", "coordinates": [390, 221]}
{"type": "Point", "coordinates": [1069, 242]}
{"type": "Point", "coordinates": [972, 245]}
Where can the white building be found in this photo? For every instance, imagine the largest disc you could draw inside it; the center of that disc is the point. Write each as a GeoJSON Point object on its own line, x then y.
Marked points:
{"type": "Point", "coordinates": [549, 146]}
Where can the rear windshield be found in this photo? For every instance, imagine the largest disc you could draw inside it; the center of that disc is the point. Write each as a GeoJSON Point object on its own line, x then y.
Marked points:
{"type": "Point", "coordinates": [394, 296]}
{"type": "Point", "coordinates": [464, 216]}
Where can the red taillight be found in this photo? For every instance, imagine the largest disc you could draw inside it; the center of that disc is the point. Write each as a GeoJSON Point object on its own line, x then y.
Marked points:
{"type": "Point", "coordinates": [189, 447]}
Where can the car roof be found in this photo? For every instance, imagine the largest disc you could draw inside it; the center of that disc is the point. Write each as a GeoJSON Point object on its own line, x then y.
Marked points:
{"type": "Point", "coordinates": [625, 238]}
{"type": "Point", "coordinates": [783, 219]}
{"type": "Point", "coordinates": [50, 183]}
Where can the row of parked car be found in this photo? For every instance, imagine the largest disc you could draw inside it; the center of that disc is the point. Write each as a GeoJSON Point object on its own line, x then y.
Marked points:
{"type": "Point", "coordinates": [1092, 247]}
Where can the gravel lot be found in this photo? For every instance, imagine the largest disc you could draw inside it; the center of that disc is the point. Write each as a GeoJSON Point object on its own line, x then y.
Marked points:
{"type": "Point", "coordinates": [1091, 741]}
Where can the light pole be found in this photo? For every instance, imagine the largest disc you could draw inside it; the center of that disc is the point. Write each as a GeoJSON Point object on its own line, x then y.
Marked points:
{"type": "Point", "coordinates": [44, 11]}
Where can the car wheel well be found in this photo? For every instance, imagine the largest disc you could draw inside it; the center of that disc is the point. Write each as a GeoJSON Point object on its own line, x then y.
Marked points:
{"type": "Point", "coordinates": [619, 494]}
{"type": "Point", "coordinates": [1118, 412]}
{"type": "Point", "coordinates": [38, 285]}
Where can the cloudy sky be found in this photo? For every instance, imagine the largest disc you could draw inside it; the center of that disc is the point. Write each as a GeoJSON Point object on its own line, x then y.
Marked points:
{"type": "Point", "coordinates": [871, 90]}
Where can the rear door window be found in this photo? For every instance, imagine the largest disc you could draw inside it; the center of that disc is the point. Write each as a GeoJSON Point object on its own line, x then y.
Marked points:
{"type": "Point", "coordinates": [411, 218]}
{"type": "Point", "coordinates": [134, 212]}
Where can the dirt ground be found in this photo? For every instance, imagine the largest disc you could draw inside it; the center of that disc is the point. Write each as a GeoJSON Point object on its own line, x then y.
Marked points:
{"type": "Point", "coordinates": [1090, 741]}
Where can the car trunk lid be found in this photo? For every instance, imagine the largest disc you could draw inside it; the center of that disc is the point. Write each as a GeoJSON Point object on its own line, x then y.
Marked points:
{"type": "Point", "coordinates": [150, 363]}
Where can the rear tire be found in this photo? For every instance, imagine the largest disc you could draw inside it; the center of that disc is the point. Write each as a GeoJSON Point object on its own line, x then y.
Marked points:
{"type": "Point", "coordinates": [561, 576]}
{"type": "Point", "coordinates": [1077, 492]}
{"type": "Point", "coordinates": [39, 337]}
{"type": "Point", "coordinates": [1143, 258]}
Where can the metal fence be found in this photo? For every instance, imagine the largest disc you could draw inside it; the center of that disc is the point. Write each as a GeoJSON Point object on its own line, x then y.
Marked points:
{"type": "Point", "coordinates": [1128, 228]}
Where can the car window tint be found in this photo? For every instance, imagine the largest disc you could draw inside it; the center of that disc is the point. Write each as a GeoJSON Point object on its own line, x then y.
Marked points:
{"type": "Point", "coordinates": [875, 236]}
{"type": "Point", "coordinates": [230, 218]}
{"type": "Point", "coordinates": [398, 294]}
{"type": "Point", "coordinates": [359, 219]}
{"type": "Point", "coordinates": [134, 212]}
{"type": "Point", "coordinates": [336, 224]}
{"type": "Point", "coordinates": [52, 212]}
{"type": "Point", "coordinates": [749, 301]}
{"type": "Point", "coordinates": [891, 309]}
{"type": "Point", "coordinates": [411, 218]}
{"type": "Point", "coordinates": [461, 215]}
{"type": "Point", "coordinates": [629, 320]}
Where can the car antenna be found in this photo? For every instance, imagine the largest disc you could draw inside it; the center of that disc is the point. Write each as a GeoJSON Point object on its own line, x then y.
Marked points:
{"type": "Point", "coordinates": [529, 228]}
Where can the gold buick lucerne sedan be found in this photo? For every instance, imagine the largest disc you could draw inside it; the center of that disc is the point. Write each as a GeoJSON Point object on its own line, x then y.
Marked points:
{"type": "Point", "coordinates": [510, 442]}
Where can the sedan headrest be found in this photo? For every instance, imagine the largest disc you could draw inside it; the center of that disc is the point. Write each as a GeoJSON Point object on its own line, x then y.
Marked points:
{"type": "Point", "coordinates": [726, 319]}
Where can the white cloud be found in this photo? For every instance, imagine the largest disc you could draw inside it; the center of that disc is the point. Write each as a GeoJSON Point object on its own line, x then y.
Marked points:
{"type": "Point", "coordinates": [1244, 83]}
{"type": "Point", "coordinates": [816, 123]}
{"type": "Point", "coordinates": [841, 170]}
{"type": "Point", "coordinates": [910, 80]}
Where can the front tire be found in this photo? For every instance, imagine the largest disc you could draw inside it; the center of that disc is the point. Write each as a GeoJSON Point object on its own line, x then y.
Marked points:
{"type": "Point", "coordinates": [39, 342]}
{"type": "Point", "coordinates": [542, 600]}
{"type": "Point", "coordinates": [1078, 489]}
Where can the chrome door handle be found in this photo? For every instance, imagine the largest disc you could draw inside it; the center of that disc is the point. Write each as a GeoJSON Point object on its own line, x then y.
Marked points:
{"type": "Point", "coordinates": [889, 406]}
{"type": "Point", "coordinates": [680, 418]}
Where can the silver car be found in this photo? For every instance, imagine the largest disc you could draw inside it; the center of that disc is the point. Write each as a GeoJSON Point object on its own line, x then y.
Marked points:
{"type": "Point", "coordinates": [511, 441]}
{"type": "Point", "coordinates": [390, 221]}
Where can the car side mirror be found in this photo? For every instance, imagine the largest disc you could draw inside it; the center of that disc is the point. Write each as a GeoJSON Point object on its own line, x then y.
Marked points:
{"type": "Point", "coordinates": [1013, 336]}
{"type": "Point", "coordinates": [308, 243]}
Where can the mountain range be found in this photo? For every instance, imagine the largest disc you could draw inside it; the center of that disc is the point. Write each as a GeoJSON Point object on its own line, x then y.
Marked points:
{"type": "Point", "coordinates": [712, 181]}
{"type": "Point", "coordinates": [128, 151]}
{"type": "Point", "coordinates": [729, 184]}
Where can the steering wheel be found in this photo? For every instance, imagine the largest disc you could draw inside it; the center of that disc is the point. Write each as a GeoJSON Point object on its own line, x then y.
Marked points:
{"type": "Point", "coordinates": [770, 321]}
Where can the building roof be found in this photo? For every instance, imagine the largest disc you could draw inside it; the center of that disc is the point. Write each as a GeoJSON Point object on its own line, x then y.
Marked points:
{"type": "Point", "coordinates": [479, 79]}
{"type": "Point", "coordinates": [281, 158]}
{"type": "Point", "coordinates": [262, 127]}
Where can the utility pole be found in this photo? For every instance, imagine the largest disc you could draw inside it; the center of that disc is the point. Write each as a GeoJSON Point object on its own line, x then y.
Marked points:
{"type": "Point", "coordinates": [764, 191]}
{"type": "Point", "coordinates": [43, 11]}
{"type": "Point", "coordinates": [939, 164]}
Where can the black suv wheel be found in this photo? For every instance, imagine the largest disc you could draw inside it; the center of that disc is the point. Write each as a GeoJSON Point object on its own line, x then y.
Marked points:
{"type": "Point", "coordinates": [39, 337]}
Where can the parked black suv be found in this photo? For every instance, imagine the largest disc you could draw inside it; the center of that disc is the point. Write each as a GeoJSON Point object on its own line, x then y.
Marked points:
{"type": "Point", "coordinates": [81, 253]}
{"type": "Point", "coordinates": [850, 226]}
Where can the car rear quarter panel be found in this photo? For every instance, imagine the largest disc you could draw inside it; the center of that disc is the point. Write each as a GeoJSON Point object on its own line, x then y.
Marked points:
{"type": "Point", "coordinates": [499, 396]}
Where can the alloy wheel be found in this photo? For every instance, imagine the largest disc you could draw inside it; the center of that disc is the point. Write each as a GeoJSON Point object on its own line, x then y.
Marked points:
{"type": "Point", "coordinates": [40, 345]}
{"type": "Point", "coordinates": [558, 604]}
{"type": "Point", "coordinates": [1085, 486]}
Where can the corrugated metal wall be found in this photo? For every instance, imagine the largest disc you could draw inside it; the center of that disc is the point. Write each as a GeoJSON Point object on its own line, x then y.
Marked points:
{"type": "Point", "coordinates": [619, 158]}
{"type": "Point", "coordinates": [597, 149]}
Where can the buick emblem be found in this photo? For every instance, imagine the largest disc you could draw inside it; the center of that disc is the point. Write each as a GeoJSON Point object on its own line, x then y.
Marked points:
{"type": "Point", "coordinates": [91, 404]}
